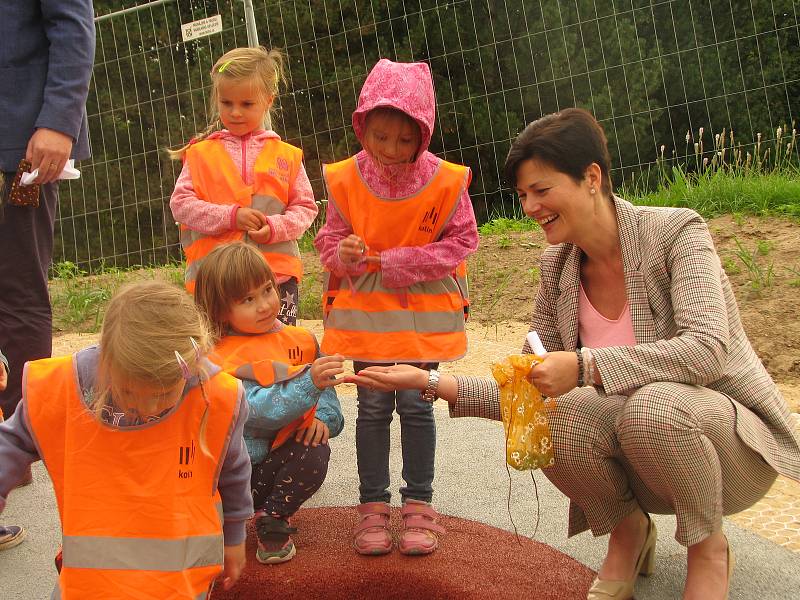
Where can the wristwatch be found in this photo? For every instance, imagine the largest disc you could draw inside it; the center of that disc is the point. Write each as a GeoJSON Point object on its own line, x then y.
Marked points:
{"type": "Point", "coordinates": [429, 394]}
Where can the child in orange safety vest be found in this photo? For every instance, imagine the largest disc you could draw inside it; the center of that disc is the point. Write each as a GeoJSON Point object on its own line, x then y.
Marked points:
{"type": "Point", "coordinates": [239, 181]}
{"type": "Point", "coordinates": [399, 227]}
{"type": "Point", "coordinates": [142, 438]}
{"type": "Point", "coordinates": [288, 385]}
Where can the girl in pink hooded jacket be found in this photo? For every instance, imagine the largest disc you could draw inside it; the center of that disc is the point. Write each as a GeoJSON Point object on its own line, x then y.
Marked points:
{"type": "Point", "coordinates": [399, 227]}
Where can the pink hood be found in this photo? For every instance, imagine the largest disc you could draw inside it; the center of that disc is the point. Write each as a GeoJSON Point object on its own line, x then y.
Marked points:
{"type": "Point", "coordinates": [404, 86]}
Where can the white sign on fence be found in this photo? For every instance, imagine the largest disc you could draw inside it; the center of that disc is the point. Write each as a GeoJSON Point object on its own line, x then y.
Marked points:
{"type": "Point", "coordinates": [201, 28]}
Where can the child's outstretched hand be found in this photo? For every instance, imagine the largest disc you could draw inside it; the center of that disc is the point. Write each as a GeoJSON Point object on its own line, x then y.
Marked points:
{"type": "Point", "coordinates": [261, 235]}
{"type": "Point", "coordinates": [325, 369]}
{"type": "Point", "coordinates": [315, 434]}
{"type": "Point", "coordinates": [235, 560]}
{"type": "Point", "coordinates": [249, 219]}
{"type": "Point", "coordinates": [352, 249]}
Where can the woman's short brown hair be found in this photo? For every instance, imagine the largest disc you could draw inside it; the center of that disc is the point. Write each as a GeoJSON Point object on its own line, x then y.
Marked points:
{"type": "Point", "coordinates": [568, 141]}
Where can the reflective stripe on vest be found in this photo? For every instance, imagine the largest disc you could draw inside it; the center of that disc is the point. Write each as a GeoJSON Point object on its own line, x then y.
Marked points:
{"type": "Point", "coordinates": [365, 320]}
{"type": "Point", "coordinates": [216, 179]}
{"type": "Point", "coordinates": [268, 359]}
{"type": "Point", "coordinates": [139, 506]}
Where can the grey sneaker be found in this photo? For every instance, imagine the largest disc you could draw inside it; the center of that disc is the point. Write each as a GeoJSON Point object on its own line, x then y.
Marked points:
{"type": "Point", "coordinates": [275, 544]}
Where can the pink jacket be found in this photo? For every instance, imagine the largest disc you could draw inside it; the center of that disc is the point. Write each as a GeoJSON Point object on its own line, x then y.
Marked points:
{"type": "Point", "coordinates": [212, 219]}
{"type": "Point", "coordinates": [407, 87]}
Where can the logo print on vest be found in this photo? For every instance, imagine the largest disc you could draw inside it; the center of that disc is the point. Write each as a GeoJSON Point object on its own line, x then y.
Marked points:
{"type": "Point", "coordinates": [429, 220]}
{"type": "Point", "coordinates": [295, 353]}
{"type": "Point", "coordinates": [186, 456]}
{"type": "Point", "coordinates": [282, 163]}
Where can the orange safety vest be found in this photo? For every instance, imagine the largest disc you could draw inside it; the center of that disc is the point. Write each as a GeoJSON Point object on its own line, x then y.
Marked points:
{"type": "Point", "coordinates": [140, 512]}
{"type": "Point", "coordinates": [216, 179]}
{"type": "Point", "coordinates": [268, 359]}
{"type": "Point", "coordinates": [364, 320]}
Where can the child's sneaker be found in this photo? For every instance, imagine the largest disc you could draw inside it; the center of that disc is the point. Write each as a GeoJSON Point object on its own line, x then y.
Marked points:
{"type": "Point", "coordinates": [275, 544]}
{"type": "Point", "coordinates": [371, 535]}
{"type": "Point", "coordinates": [420, 529]}
{"type": "Point", "coordinates": [10, 536]}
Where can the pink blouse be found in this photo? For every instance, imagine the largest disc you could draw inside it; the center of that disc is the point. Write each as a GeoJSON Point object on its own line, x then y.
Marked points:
{"type": "Point", "coordinates": [596, 331]}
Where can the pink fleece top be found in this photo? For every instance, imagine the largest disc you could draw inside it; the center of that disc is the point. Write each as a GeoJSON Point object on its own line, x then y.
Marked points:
{"type": "Point", "coordinates": [212, 219]}
{"type": "Point", "coordinates": [407, 87]}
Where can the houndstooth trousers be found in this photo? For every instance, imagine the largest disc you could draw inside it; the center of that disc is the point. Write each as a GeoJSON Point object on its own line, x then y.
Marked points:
{"type": "Point", "coordinates": [668, 448]}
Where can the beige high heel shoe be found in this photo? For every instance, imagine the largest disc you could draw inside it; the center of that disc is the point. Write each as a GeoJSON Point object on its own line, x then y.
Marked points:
{"type": "Point", "coordinates": [645, 565]}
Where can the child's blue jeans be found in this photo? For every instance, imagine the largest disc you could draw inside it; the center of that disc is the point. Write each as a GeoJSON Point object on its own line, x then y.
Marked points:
{"type": "Point", "coordinates": [417, 436]}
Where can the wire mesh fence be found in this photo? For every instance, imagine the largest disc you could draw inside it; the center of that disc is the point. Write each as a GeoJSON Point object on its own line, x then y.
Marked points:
{"type": "Point", "coordinates": [653, 72]}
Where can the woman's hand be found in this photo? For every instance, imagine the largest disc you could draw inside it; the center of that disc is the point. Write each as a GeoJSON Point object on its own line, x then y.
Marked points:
{"type": "Point", "coordinates": [235, 560]}
{"type": "Point", "coordinates": [325, 369]}
{"type": "Point", "coordinates": [556, 374]}
{"type": "Point", "coordinates": [315, 434]}
{"type": "Point", "coordinates": [390, 377]}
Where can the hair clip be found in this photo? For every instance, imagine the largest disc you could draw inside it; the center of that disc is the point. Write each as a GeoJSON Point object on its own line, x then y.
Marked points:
{"type": "Point", "coordinates": [187, 374]}
{"type": "Point", "coordinates": [224, 66]}
{"type": "Point", "coordinates": [197, 351]}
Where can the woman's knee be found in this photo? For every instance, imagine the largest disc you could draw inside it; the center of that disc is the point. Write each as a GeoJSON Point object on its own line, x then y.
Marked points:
{"type": "Point", "coordinates": [582, 426]}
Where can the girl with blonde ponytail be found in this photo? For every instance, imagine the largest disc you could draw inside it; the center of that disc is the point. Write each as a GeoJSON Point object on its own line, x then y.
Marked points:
{"type": "Point", "coordinates": [142, 437]}
{"type": "Point", "coordinates": [239, 181]}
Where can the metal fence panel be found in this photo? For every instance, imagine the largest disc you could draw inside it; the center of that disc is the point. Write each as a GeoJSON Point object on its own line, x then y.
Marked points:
{"type": "Point", "coordinates": [653, 72]}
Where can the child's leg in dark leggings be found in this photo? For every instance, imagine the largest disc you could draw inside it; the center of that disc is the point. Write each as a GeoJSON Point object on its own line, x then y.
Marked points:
{"type": "Point", "coordinates": [289, 476]}
{"type": "Point", "coordinates": [287, 293]}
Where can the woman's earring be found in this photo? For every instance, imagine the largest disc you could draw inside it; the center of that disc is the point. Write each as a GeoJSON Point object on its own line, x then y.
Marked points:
{"type": "Point", "coordinates": [592, 191]}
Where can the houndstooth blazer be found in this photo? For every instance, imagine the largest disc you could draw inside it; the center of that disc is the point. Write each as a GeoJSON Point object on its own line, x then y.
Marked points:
{"type": "Point", "coordinates": [686, 323]}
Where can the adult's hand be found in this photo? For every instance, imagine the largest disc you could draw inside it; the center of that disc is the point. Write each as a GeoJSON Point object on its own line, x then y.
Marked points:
{"type": "Point", "coordinates": [390, 377]}
{"type": "Point", "coordinates": [48, 150]}
{"type": "Point", "coordinates": [556, 374]}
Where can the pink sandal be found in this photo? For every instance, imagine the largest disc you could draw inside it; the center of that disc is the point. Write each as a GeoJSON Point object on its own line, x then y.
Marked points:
{"type": "Point", "coordinates": [371, 536]}
{"type": "Point", "coordinates": [419, 528]}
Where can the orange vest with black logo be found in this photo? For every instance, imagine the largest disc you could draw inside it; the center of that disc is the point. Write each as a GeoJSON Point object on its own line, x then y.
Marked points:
{"type": "Point", "coordinates": [216, 179]}
{"type": "Point", "coordinates": [366, 321]}
{"type": "Point", "coordinates": [268, 359]}
{"type": "Point", "coordinates": [140, 512]}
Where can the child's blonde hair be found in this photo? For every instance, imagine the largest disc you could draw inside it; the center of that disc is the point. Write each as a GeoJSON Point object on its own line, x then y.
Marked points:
{"type": "Point", "coordinates": [144, 325]}
{"type": "Point", "coordinates": [264, 67]}
{"type": "Point", "coordinates": [226, 276]}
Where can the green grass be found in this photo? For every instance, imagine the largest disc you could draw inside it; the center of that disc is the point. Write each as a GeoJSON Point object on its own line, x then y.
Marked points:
{"type": "Point", "coordinates": [504, 225]}
{"type": "Point", "coordinates": [79, 299]}
{"type": "Point", "coordinates": [714, 193]}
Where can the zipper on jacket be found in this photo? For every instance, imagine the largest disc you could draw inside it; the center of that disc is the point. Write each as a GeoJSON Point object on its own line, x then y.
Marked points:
{"type": "Point", "coordinates": [244, 157]}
